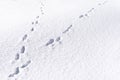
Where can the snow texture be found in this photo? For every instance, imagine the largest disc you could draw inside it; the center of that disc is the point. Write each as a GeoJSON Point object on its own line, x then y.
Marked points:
{"type": "Point", "coordinates": [60, 40]}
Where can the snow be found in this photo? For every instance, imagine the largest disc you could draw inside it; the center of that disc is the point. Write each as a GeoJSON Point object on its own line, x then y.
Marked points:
{"type": "Point", "coordinates": [82, 38]}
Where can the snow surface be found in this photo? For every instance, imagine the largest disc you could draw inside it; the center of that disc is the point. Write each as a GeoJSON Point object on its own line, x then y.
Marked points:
{"type": "Point", "coordinates": [59, 40]}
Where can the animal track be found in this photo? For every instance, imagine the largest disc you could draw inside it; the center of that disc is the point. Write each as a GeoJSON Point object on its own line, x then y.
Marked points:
{"type": "Point", "coordinates": [86, 15]}
{"type": "Point", "coordinates": [67, 29]}
{"type": "Point", "coordinates": [17, 71]}
{"type": "Point", "coordinates": [58, 38]}
{"type": "Point", "coordinates": [32, 29]}
{"type": "Point", "coordinates": [81, 16]}
{"type": "Point", "coordinates": [49, 42]}
{"type": "Point", "coordinates": [26, 64]}
{"type": "Point", "coordinates": [24, 37]}
{"type": "Point", "coordinates": [32, 23]}
{"type": "Point", "coordinates": [17, 56]}
{"type": "Point", "coordinates": [90, 10]}
{"type": "Point", "coordinates": [37, 17]}
{"type": "Point", "coordinates": [41, 8]}
{"type": "Point", "coordinates": [23, 49]}
{"type": "Point", "coordinates": [36, 22]}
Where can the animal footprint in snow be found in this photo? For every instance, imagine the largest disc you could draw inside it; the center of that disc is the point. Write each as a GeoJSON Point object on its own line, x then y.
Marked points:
{"type": "Point", "coordinates": [81, 16]}
{"type": "Point", "coordinates": [86, 15]}
{"type": "Point", "coordinates": [90, 10]}
{"type": "Point", "coordinates": [26, 64]}
{"type": "Point", "coordinates": [22, 49]}
{"type": "Point", "coordinates": [41, 8]}
{"type": "Point", "coordinates": [37, 17]}
{"type": "Point", "coordinates": [17, 56]}
{"type": "Point", "coordinates": [32, 29]}
{"type": "Point", "coordinates": [32, 23]}
{"type": "Point", "coordinates": [36, 22]}
{"type": "Point", "coordinates": [24, 37]}
{"type": "Point", "coordinates": [58, 38]}
{"type": "Point", "coordinates": [67, 29]}
{"type": "Point", "coordinates": [51, 41]}
{"type": "Point", "coordinates": [17, 71]}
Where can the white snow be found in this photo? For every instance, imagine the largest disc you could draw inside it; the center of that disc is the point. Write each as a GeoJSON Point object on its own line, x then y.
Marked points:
{"type": "Point", "coordinates": [88, 50]}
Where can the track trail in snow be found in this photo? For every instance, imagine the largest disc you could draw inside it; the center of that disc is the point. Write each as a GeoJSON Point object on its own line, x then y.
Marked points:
{"type": "Point", "coordinates": [22, 56]}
